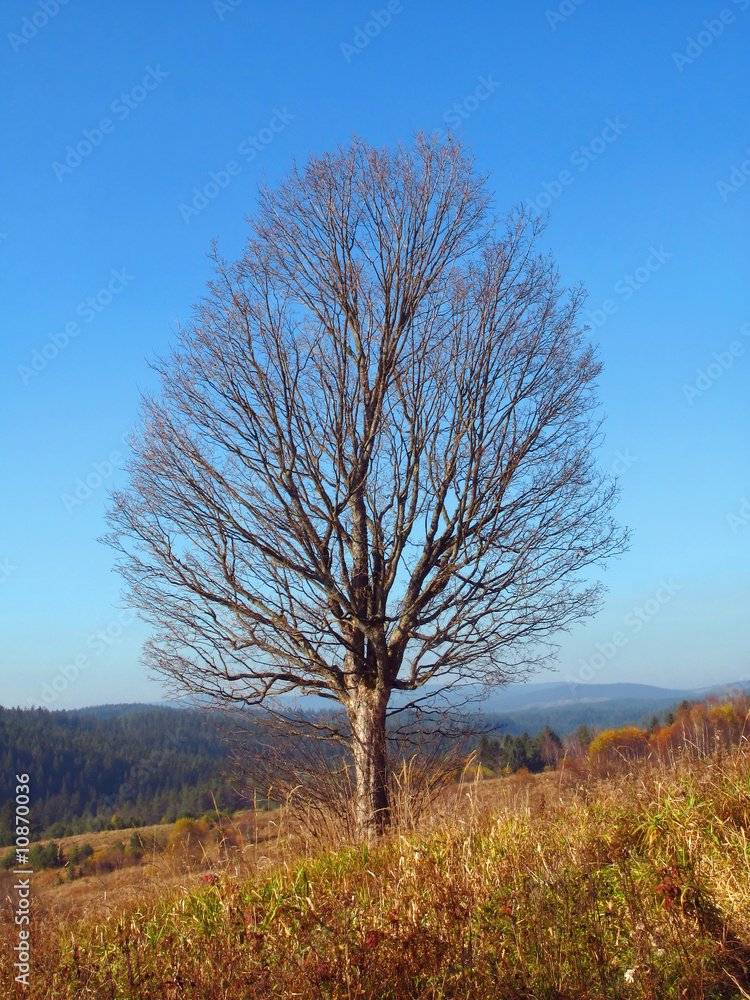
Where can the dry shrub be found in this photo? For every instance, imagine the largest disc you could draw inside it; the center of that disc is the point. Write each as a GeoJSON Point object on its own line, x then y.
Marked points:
{"type": "Point", "coordinates": [188, 837]}
{"type": "Point", "coordinates": [700, 729]}
{"type": "Point", "coordinates": [107, 860]}
{"type": "Point", "coordinates": [319, 791]}
{"type": "Point", "coordinates": [572, 770]}
{"type": "Point", "coordinates": [615, 749]}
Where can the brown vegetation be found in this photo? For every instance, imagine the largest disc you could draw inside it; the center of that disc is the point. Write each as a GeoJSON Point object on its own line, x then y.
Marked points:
{"type": "Point", "coordinates": [568, 884]}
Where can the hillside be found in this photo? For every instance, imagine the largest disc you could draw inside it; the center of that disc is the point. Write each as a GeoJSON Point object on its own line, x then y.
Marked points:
{"type": "Point", "coordinates": [141, 763]}
{"type": "Point", "coordinates": [561, 885]}
{"type": "Point", "coordinates": [557, 694]}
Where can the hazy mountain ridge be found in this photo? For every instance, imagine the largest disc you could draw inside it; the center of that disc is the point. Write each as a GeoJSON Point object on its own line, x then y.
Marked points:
{"type": "Point", "coordinates": [514, 698]}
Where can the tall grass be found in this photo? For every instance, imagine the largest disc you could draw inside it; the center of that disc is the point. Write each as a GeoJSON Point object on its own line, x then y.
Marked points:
{"type": "Point", "coordinates": [557, 886]}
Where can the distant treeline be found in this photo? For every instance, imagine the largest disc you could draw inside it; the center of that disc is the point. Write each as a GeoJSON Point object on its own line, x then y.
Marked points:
{"type": "Point", "coordinates": [566, 719]}
{"type": "Point", "coordinates": [131, 765]}
{"type": "Point", "coordinates": [514, 752]}
{"type": "Point", "coordinates": [123, 767]}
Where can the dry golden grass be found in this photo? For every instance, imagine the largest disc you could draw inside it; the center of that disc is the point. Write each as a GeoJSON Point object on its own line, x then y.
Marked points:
{"type": "Point", "coordinates": [104, 894]}
{"type": "Point", "coordinates": [560, 885]}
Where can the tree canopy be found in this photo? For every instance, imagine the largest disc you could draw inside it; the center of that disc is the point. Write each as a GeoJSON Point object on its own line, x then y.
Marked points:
{"type": "Point", "coordinates": [370, 464]}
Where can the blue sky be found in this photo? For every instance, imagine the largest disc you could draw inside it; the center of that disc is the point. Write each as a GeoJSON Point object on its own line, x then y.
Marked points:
{"type": "Point", "coordinates": [629, 121]}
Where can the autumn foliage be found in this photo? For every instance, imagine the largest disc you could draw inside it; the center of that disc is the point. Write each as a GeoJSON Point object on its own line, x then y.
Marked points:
{"type": "Point", "coordinates": [695, 730]}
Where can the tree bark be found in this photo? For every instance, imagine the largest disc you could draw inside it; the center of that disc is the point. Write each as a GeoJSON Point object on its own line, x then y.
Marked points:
{"type": "Point", "coordinates": [367, 715]}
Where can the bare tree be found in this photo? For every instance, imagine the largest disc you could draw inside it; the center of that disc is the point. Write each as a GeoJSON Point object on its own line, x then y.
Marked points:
{"type": "Point", "coordinates": [370, 468]}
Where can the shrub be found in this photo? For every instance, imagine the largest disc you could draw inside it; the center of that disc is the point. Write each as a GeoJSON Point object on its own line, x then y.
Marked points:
{"type": "Point", "coordinates": [108, 859]}
{"type": "Point", "coordinates": [698, 730]}
{"type": "Point", "coordinates": [617, 745]}
{"type": "Point", "coordinates": [187, 833]}
{"type": "Point", "coordinates": [145, 843]}
{"type": "Point", "coordinates": [46, 856]}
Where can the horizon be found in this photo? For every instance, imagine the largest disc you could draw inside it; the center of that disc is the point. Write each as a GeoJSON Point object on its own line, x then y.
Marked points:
{"type": "Point", "coordinates": [619, 121]}
{"type": "Point", "coordinates": [719, 688]}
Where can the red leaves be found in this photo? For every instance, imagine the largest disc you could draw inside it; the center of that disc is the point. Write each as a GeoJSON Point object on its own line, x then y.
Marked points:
{"type": "Point", "coordinates": [669, 888]}
{"type": "Point", "coordinates": [373, 939]}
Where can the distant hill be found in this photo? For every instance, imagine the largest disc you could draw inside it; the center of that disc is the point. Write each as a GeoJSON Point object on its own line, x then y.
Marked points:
{"type": "Point", "coordinates": [131, 708]}
{"type": "Point", "coordinates": [521, 697]}
{"type": "Point", "coordinates": [565, 719]}
{"type": "Point", "coordinates": [141, 763]}
{"type": "Point", "coordinates": [514, 698]}
{"type": "Point", "coordinates": [564, 707]}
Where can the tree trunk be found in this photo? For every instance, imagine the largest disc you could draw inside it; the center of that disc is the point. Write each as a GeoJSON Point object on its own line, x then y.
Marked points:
{"type": "Point", "coordinates": [367, 715]}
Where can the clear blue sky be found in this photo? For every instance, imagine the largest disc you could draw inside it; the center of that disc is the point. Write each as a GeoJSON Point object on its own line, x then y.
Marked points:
{"type": "Point", "coordinates": [645, 141]}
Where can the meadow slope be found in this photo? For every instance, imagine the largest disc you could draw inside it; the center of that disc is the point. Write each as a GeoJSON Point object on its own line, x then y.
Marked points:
{"type": "Point", "coordinates": [561, 885]}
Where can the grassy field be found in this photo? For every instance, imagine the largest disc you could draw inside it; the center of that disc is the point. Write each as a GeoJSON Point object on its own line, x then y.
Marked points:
{"type": "Point", "coordinates": [559, 885]}
{"type": "Point", "coordinates": [128, 866]}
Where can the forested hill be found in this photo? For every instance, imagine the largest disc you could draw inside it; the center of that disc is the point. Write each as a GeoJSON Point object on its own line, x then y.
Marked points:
{"type": "Point", "coordinates": [136, 762]}
{"type": "Point", "coordinates": [143, 764]}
